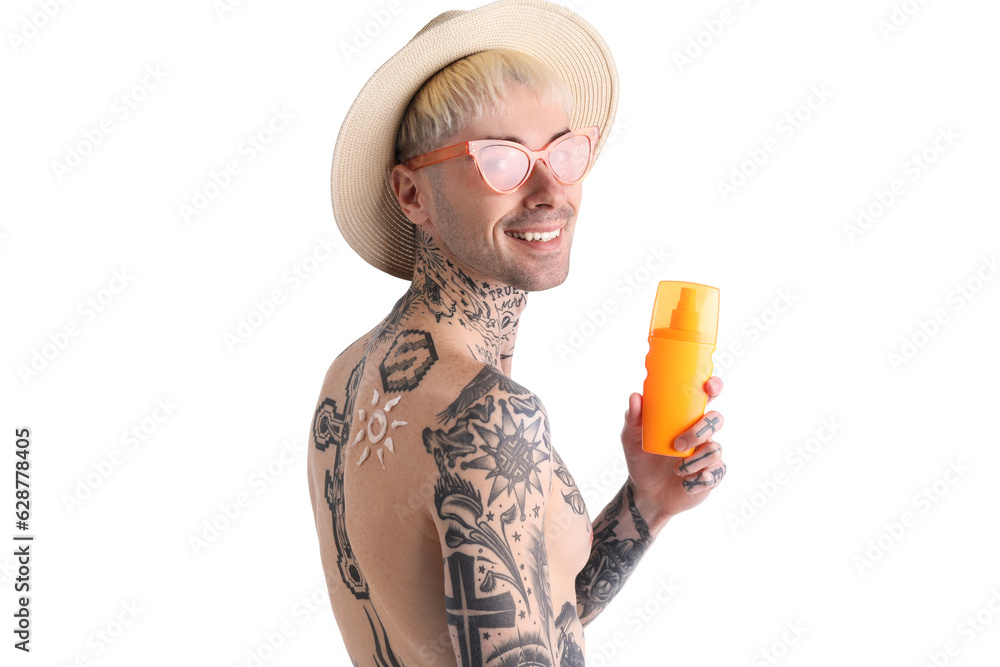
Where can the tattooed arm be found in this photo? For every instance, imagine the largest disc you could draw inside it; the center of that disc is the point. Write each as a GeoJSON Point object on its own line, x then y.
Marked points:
{"type": "Point", "coordinates": [657, 488]}
{"type": "Point", "coordinates": [621, 537]}
{"type": "Point", "coordinates": [491, 447]}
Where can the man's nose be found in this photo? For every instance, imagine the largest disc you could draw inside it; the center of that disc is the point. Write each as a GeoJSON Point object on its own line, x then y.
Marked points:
{"type": "Point", "coordinates": [543, 188]}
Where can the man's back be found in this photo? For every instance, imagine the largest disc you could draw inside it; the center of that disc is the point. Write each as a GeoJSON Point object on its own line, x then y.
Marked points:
{"type": "Point", "coordinates": [449, 527]}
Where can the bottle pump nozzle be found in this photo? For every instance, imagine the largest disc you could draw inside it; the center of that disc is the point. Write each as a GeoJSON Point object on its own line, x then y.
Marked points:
{"type": "Point", "coordinates": [685, 316]}
{"type": "Point", "coordinates": [685, 311]}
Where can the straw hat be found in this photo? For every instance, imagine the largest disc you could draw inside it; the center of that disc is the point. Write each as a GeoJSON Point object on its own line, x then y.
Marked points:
{"type": "Point", "coordinates": [364, 204]}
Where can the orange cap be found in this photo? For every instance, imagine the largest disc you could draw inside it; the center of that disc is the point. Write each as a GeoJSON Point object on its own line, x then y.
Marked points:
{"type": "Point", "coordinates": [685, 311]}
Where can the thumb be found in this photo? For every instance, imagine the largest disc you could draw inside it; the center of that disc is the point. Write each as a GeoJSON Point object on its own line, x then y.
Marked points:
{"type": "Point", "coordinates": [633, 416]}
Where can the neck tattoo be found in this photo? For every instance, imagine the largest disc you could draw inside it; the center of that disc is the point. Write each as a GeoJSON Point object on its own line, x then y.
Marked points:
{"type": "Point", "coordinates": [490, 310]}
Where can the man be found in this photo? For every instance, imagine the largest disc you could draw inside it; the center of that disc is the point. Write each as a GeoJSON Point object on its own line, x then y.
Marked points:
{"type": "Point", "coordinates": [450, 529]}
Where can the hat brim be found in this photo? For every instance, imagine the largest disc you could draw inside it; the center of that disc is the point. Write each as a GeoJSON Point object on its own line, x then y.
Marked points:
{"type": "Point", "coordinates": [364, 204]}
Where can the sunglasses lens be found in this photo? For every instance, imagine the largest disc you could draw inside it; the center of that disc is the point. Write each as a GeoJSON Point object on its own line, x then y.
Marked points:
{"type": "Point", "coordinates": [570, 158]}
{"type": "Point", "coordinates": [503, 166]}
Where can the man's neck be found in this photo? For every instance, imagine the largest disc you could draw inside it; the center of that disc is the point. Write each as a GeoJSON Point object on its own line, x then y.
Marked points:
{"type": "Point", "coordinates": [479, 312]}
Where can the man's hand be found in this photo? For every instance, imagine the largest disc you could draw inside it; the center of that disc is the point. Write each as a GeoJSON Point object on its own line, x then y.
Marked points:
{"type": "Point", "coordinates": [666, 485]}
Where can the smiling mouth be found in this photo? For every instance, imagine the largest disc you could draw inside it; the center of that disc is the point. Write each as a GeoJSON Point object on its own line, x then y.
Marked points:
{"type": "Point", "coordinates": [535, 236]}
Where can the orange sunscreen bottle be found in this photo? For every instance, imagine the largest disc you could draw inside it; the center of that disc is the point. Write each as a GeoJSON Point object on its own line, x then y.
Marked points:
{"type": "Point", "coordinates": [682, 335]}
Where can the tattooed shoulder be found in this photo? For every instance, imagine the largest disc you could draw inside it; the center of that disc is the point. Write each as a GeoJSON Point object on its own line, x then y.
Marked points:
{"type": "Point", "coordinates": [494, 418]}
{"type": "Point", "coordinates": [490, 444]}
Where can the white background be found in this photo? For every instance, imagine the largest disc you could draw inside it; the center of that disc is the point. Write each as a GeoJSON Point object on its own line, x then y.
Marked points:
{"type": "Point", "coordinates": [797, 556]}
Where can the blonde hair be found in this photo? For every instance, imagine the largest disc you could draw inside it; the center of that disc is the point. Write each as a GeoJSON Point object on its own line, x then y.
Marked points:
{"type": "Point", "coordinates": [463, 91]}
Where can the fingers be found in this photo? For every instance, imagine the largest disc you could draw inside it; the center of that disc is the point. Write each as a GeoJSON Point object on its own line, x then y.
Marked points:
{"type": "Point", "coordinates": [705, 480]}
{"type": "Point", "coordinates": [704, 469]}
{"type": "Point", "coordinates": [702, 431]}
{"type": "Point", "coordinates": [713, 386]}
{"type": "Point", "coordinates": [707, 455]}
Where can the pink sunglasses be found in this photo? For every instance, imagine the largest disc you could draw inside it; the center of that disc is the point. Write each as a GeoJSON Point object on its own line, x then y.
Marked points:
{"type": "Point", "coordinates": [506, 165]}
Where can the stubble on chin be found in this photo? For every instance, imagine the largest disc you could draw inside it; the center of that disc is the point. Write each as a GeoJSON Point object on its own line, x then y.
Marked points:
{"type": "Point", "coordinates": [466, 250]}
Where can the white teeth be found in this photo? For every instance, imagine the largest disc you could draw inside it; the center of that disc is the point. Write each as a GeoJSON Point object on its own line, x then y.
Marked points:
{"type": "Point", "coordinates": [535, 236]}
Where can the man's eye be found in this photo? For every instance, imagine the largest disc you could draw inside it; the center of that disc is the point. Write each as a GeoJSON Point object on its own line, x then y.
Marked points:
{"type": "Point", "coordinates": [561, 156]}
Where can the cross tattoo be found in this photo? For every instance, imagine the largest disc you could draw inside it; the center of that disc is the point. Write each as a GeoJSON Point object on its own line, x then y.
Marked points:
{"type": "Point", "coordinates": [469, 613]}
{"type": "Point", "coordinates": [710, 424]}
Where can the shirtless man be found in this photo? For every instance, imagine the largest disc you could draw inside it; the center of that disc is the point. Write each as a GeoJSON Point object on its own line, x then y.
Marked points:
{"type": "Point", "coordinates": [450, 530]}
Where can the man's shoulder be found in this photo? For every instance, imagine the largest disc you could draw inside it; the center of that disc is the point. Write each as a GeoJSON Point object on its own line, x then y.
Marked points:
{"type": "Point", "coordinates": [458, 395]}
{"type": "Point", "coordinates": [460, 385]}
{"type": "Point", "coordinates": [486, 414]}
{"type": "Point", "coordinates": [438, 388]}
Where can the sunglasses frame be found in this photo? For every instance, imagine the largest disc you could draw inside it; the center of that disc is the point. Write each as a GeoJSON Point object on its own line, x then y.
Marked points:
{"type": "Point", "coordinates": [474, 148]}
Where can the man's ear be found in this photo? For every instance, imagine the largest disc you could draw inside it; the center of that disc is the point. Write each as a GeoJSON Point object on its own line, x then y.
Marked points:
{"type": "Point", "coordinates": [411, 194]}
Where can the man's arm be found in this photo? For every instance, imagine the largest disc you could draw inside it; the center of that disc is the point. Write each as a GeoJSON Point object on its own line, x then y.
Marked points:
{"type": "Point", "coordinates": [622, 534]}
{"type": "Point", "coordinates": [490, 443]}
{"type": "Point", "coordinates": [632, 520]}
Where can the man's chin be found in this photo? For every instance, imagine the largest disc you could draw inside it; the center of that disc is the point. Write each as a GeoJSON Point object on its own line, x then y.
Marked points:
{"type": "Point", "coordinates": [539, 282]}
